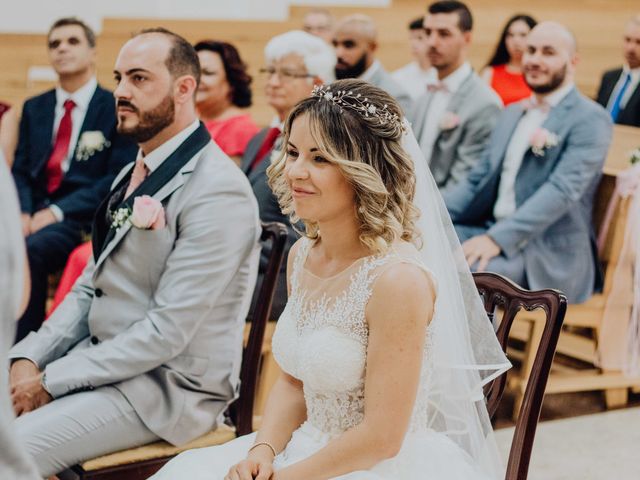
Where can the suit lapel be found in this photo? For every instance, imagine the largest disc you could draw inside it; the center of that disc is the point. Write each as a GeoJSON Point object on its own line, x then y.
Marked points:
{"type": "Point", "coordinates": [558, 115]}
{"type": "Point", "coordinates": [91, 118]}
{"type": "Point", "coordinates": [160, 184]}
{"type": "Point", "coordinates": [252, 150]}
{"type": "Point", "coordinates": [45, 117]}
{"type": "Point", "coordinates": [457, 99]}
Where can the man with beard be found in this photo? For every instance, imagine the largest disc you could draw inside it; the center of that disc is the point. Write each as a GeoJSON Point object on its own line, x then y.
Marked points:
{"type": "Point", "coordinates": [148, 343]}
{"type": "Point", "coordinates": [355, 41]}
{"type": "Point", "coordinates": [68, 154]}
{"type": "Point", "coordinates": [454, 117]}
{"type": "Point", "coordinates": [525, 210]}
{"type": "Point", "coordinates": [619, 89]}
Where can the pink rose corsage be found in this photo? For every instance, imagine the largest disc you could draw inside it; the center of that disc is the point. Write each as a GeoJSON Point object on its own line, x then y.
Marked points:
{"type": "Point", "coordinates": [147, 213]}
{"type": "Point", "coordinates": [541, 140]}
{"type": "Point", "coordinates": [449, 121]}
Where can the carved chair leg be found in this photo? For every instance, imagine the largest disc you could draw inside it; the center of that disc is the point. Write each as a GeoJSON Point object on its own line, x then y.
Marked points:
{"type": "Point", "coordinates": [536, 327]}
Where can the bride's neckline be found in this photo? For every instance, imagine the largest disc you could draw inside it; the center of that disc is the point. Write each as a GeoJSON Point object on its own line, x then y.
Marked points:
{"type": "Point", "coordinates": [337, 274]}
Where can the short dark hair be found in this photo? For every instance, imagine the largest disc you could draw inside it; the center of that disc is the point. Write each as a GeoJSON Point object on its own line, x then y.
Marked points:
{"type": "Point", "coordinates": [465, 19]}
{"type": "Point", "coordinates": [182, 58]}
{"type": "Point", "coordinates": [63, 22]}
{"type": "Point", "coordinates": [501, 55]}
{"type": "Point", "coordinates": [234, 68]}
{"type": "Point", "coordinates": [417, 24]}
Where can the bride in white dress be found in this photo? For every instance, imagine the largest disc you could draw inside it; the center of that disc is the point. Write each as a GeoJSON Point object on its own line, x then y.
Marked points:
{"type": "Point", "coordinates": [384, 343]}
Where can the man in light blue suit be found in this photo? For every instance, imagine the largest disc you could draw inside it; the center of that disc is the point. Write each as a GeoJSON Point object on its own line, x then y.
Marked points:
{"type": "Point", "coordinates": [525, 209]}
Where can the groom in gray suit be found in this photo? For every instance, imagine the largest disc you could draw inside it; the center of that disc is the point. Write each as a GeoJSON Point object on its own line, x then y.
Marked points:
{"type": "Point", "coordinates": [454, 118]}
{"type": "Point", "coordinates": [525, 210]}
{"type": "Point", "coordinates": [148, 344]}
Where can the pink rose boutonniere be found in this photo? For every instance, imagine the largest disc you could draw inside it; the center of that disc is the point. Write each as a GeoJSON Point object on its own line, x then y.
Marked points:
{"type": "Point", "coordinates": [449, 121]}
{"type": "Point", "coordinates": [147, 213]}
{"type": "Point", "coordinates": [541, 140]}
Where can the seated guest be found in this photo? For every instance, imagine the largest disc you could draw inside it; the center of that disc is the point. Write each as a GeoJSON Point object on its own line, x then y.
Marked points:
{"type": "Point", "coordinates": [223, 92]}
{"type": "Point", "coordinates": [67, 156]}
{"type": "Point", "coordinates": [414, 76]}
{"type": "Point", "coordinates": [504, 70]}
{"type": "Point", "coordinates": [525, 210]}
{"type": "Point", "coordinates": [619, 90]}
{"type": "Point", "coordinates": [8, 132]}
{"type": "Point", "coordinates": [319, 22]}
{"type": "Point", "coordinates": [355, 41]}
{"type": "Point", "coordinates": [453, 119]}
{"type": "Point", "coordinates": [296, 62]}
{"type": "Point", "coordinates": [148, 344]}
{"type": "Point", "coordinates": [14, 294]}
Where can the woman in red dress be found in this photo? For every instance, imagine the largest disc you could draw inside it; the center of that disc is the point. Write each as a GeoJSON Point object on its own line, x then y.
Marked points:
{"type": "Point", "coordinates": [504, 70]}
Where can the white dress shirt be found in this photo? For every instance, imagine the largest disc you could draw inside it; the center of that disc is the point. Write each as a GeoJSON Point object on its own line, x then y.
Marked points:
{"type": "Point", "coordinates": [520, 142]}
{"type": "Point", "coordinates": [635, 80]}
{"type": "Point", "coordinates": [438, 104]}
{"type": "Point", "coordinates": [413, 78]}
{"type": "Point", "coordinates": [81, 98]}
{"type": "Point", "coordinates": [155, 158]}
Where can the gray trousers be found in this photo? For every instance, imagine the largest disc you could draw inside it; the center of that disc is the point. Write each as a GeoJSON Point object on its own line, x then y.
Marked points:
{"type": "Point", "coordinates": [512, 267]}
{"type": "Point", "coordinates": [80, 426]}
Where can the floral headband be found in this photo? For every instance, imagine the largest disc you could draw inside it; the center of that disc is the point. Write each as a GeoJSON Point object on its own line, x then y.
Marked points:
{"type": "Point", "coordinates": [360, 104]}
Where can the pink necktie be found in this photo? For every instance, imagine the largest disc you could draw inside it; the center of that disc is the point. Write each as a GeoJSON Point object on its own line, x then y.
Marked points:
{"type": "Point", "coordinates": [138, 175]}
{"type": "Point", "coordinates": [437, 87]}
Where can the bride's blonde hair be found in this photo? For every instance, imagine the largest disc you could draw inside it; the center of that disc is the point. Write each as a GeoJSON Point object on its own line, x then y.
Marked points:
{"type": "Point", "coordinates": [358, 127]}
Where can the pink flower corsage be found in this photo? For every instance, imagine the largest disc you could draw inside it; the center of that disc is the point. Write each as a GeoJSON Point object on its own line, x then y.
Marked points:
{"type": "Point", "coordinates": [449, 121]}
{"type": "Point", "coordinates": [541, 140]}
{"type": "Point", "coordinates": [147, 213]}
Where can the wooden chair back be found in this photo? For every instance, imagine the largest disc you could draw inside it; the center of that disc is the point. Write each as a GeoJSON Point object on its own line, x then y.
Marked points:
{"type": "Point", "coordinates": [241, 410]}
{"type": "Point", "coordinates": [499, 292]}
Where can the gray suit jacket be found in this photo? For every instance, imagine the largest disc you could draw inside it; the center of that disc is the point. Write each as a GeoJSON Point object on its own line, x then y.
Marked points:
{"type": "Point", "coordinates": [552, 224]}
{"type": "Point", "coordinates": [160, 314]}
{"type": "Point", "coordinates": [269, 212]}
{"type": "Point", "coordinates": [457, 150]}
{"type": "Point", "coordinates": [382, 79]}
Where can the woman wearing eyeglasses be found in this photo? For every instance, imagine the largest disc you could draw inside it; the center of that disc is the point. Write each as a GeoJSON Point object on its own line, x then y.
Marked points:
{"type": "Point", "coordinates": [223, 94]}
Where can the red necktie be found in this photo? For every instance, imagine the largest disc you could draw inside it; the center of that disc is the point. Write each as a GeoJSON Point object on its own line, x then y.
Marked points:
{"type": "Point", "coordinates": [267, 144]}
{"type": "Point", "coordinates": [60, 148]}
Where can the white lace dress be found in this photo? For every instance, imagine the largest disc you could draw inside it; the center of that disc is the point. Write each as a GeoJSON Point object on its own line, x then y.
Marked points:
{"type": "Point", "coordinates": [321, 339]}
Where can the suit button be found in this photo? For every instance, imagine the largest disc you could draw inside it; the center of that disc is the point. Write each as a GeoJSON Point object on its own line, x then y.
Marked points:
{"type": "Point", "coordinates": [98, 292]}
{"type": "Point", "coordinates": [94, 340]}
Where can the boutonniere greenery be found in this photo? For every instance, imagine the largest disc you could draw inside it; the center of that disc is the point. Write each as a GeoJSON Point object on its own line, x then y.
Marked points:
{"type": "Point", "coordinates": [542, 140]}
{"type": "Point", "coordinates": [634, 156]}
{"type": "Point", "coordinates": [89, 143]}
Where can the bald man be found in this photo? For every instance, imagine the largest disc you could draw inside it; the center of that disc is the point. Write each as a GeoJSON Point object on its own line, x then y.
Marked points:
{"type": "Point", "coordinates": [355, 41]}
{"type": "Point", "coordinates": [148, 343]}
{"type": "Point", "coordinates": [619, 90]}
{"type": "Point", "coordinates": [525, 210]}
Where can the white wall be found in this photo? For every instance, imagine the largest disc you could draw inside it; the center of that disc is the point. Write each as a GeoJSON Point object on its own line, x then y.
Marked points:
{"type": "Point", "coordinates": [35, 16]}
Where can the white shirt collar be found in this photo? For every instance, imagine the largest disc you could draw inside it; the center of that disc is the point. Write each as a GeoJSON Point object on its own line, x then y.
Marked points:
{"type": "Point", "coordinates": [80, 97]}
{"type": "Point", "coordinates": [371, 71]}
{"type": "Point", "coordinates": [558, 95]}
{"type": "Point", "coordinates": [276, 122]}
{"type": "Point", "coordinates": [454, 80]}
{"type": "Point", "coordinates": [635, 72]}
{"type": "Point", "coordinates": [160, 154]}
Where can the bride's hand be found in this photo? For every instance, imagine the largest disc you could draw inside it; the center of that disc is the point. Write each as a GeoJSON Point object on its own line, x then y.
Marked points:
{"type": "Point", "coordinates": [255, 467]}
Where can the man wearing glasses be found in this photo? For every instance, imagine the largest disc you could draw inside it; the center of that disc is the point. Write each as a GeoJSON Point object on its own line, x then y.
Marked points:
{"type": "Point", "coordinates": [295, 62]}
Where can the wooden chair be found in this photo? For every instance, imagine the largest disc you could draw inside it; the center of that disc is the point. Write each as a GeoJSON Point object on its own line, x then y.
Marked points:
{"type": "Point", "coordinates": [141, 462]}
{"type": "Point", "coordinates": [500, 293]}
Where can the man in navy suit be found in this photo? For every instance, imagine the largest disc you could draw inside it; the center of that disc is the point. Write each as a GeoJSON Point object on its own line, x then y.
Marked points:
{"type": "Point", "coordinates": [67, 156]}
{"type": "Point", "coordinates": [525, 209]}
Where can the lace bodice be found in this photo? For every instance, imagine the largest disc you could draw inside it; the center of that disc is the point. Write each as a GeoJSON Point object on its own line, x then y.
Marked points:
{"type": "Point", "coordinates": [322, 336]}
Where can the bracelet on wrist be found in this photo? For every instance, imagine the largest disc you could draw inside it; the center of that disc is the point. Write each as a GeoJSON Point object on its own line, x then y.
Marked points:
{"type": "Point", "coordinates": [255, 445]}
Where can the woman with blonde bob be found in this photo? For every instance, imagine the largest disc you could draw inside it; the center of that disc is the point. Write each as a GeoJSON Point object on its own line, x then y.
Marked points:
{"type": "Point", "coordinates": [381, 377]}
